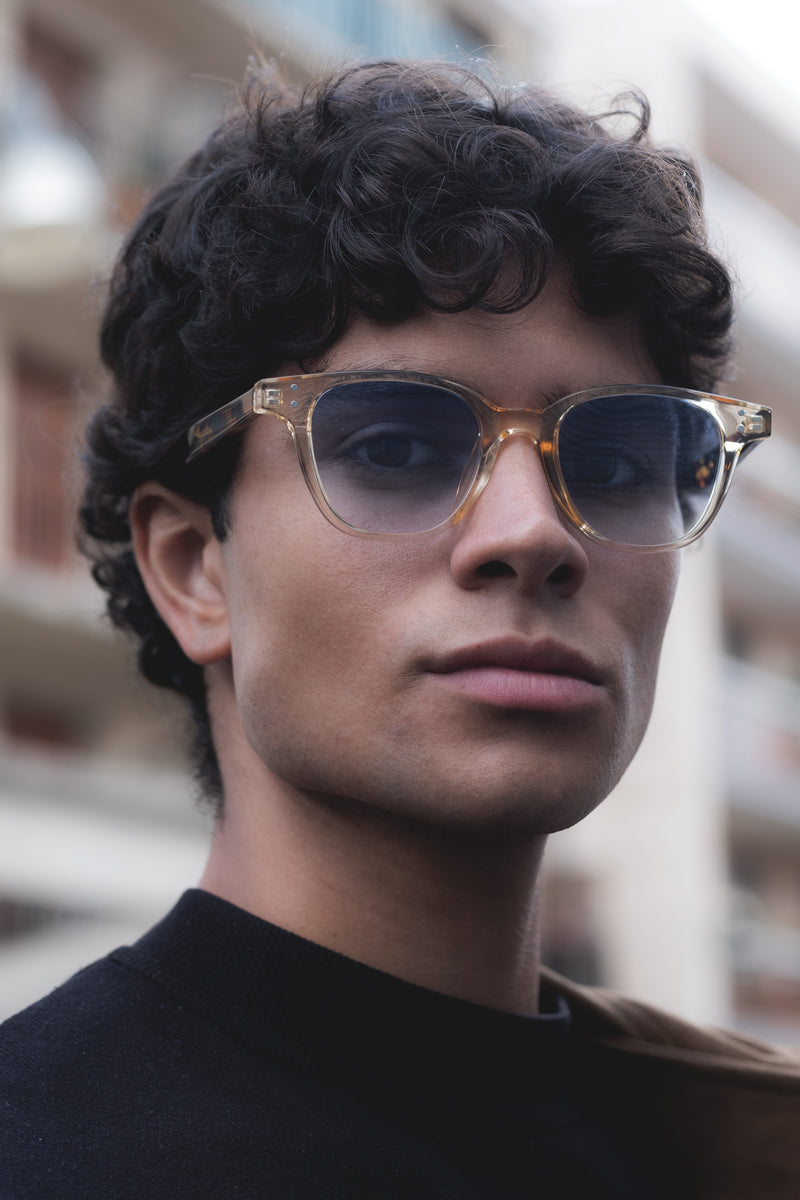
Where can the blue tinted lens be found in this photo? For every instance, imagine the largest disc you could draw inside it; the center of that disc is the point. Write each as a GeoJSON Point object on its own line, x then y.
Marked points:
{"type": "Point", "coordinates": [640, 469]}
{"type": "Point", "coordinates": [393, 456]}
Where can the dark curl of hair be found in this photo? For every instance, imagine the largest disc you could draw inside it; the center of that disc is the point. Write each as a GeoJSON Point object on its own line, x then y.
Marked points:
{"type": "Point", "coordinates": [383, 189]}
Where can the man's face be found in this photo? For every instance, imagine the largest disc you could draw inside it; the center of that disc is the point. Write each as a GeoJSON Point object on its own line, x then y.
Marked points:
{"type": "Point", "coordinates": [498, 674]}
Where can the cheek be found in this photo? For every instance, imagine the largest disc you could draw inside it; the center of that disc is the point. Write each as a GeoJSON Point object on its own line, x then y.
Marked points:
{"type": "Point", "coordinates": [316, 674]}
{"type": "Point", "coordinates": [650, 590]}
{"type": "Point", "coordinates": [655, 590]}
{"type": "Point", "coordinates": [315, 620]}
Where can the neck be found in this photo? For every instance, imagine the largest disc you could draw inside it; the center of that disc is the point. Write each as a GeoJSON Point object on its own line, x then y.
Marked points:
{"type": "Point", "coordinates": [449, 910]}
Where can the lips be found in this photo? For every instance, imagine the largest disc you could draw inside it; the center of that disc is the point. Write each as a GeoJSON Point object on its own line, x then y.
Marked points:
{"type": "Point", "coordinates": [548, 657]}
{"type": "Point", "coordinates": [513, 673]}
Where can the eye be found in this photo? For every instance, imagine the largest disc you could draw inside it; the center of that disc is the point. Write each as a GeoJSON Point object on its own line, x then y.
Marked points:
{"type": "Point", "coordinates": [388, 449]}
{"type": "Point", "coordinates": [610, 468]}
{"type": "Point", "coordinates": [382, 435]}
{"type": "Point", "coordinates": [617, 467]}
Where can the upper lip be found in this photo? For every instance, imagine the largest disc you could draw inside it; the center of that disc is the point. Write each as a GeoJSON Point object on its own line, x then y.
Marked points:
{"type": "Point", "coordinates": [516, 654]}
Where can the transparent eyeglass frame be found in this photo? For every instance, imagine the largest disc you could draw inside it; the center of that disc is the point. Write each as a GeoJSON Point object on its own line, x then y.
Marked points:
{"type": "Point", "coordinates": [292, 399]}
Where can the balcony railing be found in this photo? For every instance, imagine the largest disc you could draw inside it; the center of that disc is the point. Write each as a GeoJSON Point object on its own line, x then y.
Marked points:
{"type": "Point", "coordinates": [761, 732]}
{"type": "Point", "coordinates": [376, 28]}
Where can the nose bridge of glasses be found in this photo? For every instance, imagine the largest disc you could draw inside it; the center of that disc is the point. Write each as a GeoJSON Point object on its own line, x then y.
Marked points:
{"type": "Point", "coordinates": [508, 426]}
{"type": "Point", "coordinates": [505, 436]}
{"type": "Point", "coordinates": [501, 424]}
{"type": "Point", "coordinates": [510, 435]}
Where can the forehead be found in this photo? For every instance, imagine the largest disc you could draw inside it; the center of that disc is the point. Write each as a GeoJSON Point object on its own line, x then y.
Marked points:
{"type": "Point", "coordinates": [547, 347]}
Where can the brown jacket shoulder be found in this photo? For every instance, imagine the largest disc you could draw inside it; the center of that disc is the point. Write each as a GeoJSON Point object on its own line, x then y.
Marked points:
{"type": "Point", "coordinates": [723, 1108]}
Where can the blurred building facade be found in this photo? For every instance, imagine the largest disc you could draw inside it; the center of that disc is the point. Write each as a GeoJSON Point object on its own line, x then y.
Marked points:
{"type": "Point", "coordinates": [685, 887]}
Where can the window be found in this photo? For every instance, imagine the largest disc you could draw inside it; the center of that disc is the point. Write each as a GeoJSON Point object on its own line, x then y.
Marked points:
{"type": "Point", "coordinates": [44, 423]}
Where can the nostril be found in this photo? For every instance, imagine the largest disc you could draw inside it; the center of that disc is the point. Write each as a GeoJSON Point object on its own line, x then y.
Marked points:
{"type": "Point", "coordinates": [562, 574]}
{"type": "Point", "coordinates": [495, 569]}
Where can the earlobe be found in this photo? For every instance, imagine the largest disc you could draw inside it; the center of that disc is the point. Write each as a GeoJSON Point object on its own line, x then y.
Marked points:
{"type": "Point", "coordinates": [181, 564]}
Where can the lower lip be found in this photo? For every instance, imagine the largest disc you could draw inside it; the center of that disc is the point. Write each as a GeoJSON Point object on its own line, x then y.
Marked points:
{"type": "Point", "coordinates": [536, 691]}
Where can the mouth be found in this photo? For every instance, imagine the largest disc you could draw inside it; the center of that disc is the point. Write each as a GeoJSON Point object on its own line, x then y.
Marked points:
{"type": "Point", "coordinates": [511, 673]}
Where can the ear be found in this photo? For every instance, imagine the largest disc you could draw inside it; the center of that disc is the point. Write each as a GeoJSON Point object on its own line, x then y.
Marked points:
{"type": "Point", "coordinates": [181, 563]}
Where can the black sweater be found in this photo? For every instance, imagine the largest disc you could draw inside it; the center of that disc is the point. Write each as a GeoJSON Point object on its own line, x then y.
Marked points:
{"type": "Point", "coordinates": [223, 1057]}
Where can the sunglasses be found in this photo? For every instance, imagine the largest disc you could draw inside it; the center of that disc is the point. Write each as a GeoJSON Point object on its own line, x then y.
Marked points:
{"type": "Point", "coordinates": [640, 467]}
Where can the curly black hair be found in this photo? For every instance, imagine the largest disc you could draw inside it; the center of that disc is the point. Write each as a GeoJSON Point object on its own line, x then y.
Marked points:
{"type": "Point", "coordinates": [383, 189]}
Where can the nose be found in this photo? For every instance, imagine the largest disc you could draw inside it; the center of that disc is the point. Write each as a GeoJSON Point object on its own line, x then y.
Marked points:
{"type": "Point", "coordinates": [514, 530]}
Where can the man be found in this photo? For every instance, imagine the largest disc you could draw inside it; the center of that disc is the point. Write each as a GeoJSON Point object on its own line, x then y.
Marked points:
{"type": "Point", "coordinates": [392, 488]}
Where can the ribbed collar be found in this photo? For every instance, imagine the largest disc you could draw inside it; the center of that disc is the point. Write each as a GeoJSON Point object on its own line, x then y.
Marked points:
{"type": "Point", "coordinates": [330, 1016]}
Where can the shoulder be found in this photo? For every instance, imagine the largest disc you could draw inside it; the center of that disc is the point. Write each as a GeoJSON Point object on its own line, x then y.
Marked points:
{"type": "Point", "coordinates": [60, 1061]}
{"type": "Point", "coordinates": [634, 1028]}
{"type": "Point", "coordinates": [725, 1106]}
{"type": "Point", "coordinates": [77, 1042]}
{"type": "Point", "coordinates": [110, 1086]}
{"type": "Point", "coordinates": [88, 1003]}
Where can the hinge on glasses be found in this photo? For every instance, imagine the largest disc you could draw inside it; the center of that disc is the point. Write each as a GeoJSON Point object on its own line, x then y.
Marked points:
{"type": "Point", "coordinates": [266, 397]}
{"type": "Point", "coordinates": [752, 423]}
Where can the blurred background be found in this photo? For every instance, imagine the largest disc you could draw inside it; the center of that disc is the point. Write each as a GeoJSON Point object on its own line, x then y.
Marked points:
{"type": "Point", "coordinates": [684, 889]}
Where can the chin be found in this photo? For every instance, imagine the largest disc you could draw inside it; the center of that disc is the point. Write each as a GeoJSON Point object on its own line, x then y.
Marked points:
{"type": "Point", "coordinates": [486, 809]}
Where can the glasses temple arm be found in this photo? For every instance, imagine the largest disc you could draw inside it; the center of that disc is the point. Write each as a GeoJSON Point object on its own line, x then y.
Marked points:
{"type": "Point", "coordinates": [206, 432]}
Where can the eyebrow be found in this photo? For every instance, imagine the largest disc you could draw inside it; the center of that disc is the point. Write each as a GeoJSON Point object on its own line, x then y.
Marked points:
{"type": "Point", "coordinates": [550, 396]}
{"type": "Point", "coordinates": [378, 366]}
{"type": "Point", "coordinates": [557, 392]}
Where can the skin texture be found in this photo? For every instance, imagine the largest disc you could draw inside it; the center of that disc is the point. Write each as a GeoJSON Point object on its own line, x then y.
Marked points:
{"type": "Point", "coordinates": [375, 802]}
